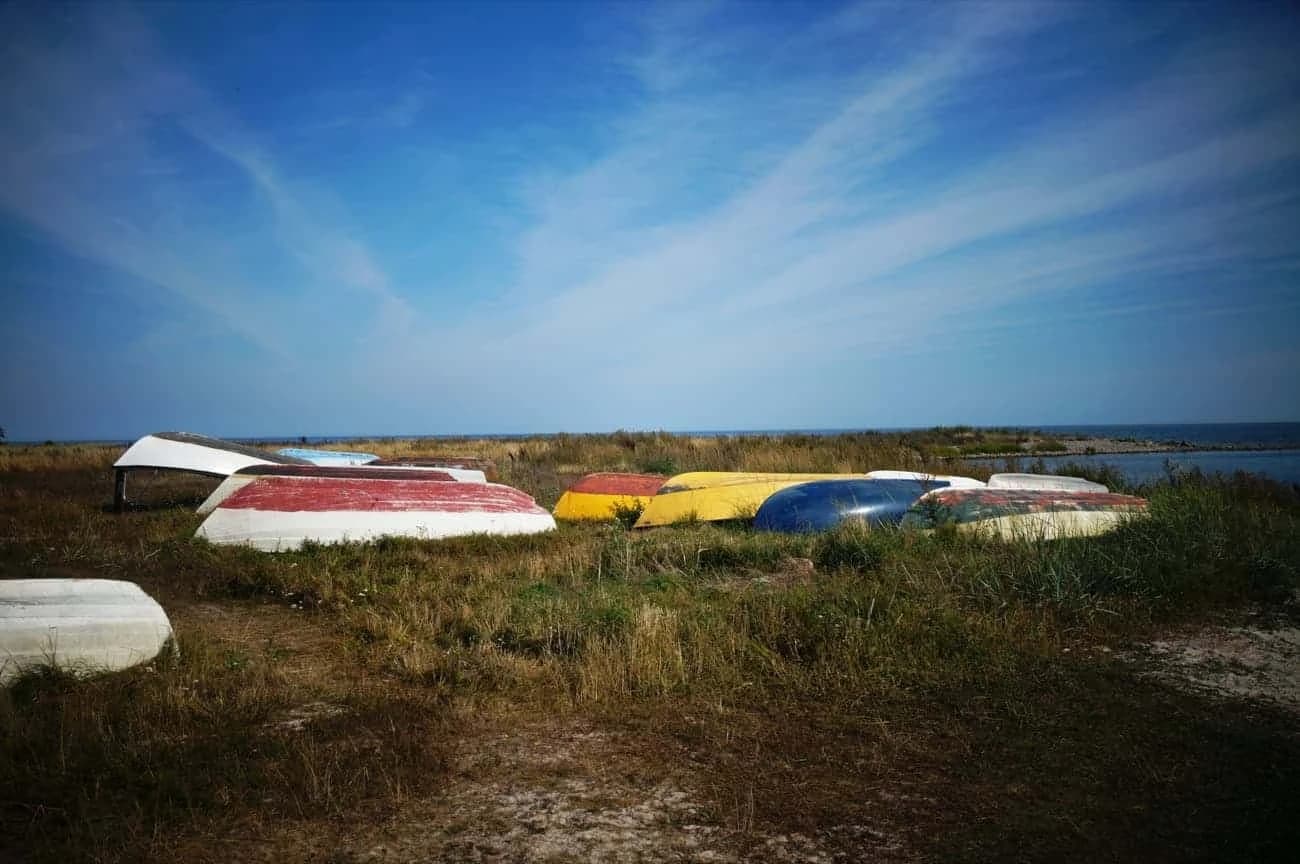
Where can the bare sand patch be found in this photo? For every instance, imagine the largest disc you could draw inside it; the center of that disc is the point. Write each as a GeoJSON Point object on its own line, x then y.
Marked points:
{"type": "Point", "coordinates": [1253, 663]}
{"type": "Point", "coordinates": [541, 795]}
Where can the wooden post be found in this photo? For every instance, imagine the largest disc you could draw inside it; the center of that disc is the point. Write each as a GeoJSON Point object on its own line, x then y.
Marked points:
{"type": "Point", "coordinates": [119, 490]}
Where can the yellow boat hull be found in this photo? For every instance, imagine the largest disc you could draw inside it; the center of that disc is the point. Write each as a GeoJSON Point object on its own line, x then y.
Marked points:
{"type": "Point", "coordinates": [716, 496]}
{"type": "Point", "coordinates": [599, 496]}
{"type": "Point", "coordinates": [586, 506]}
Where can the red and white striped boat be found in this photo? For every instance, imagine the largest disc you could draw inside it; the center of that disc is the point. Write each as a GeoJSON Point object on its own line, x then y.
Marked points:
{"type": "Point", "coordinates": [279, 513]}
{"type": "Point", "coordinates": [244, 476]}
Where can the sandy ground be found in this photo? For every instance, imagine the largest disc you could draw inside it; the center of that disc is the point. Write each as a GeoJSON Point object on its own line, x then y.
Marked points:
{"type": "Point", "coordinates": [1258, 660]}
{"type": "Point", "coordinates": [556, 790]}
{"type": "Point", "coordinates": [525, 790]}
{"type": "Point", "coordinates": [552, 792]}
{"type": "Point", "coordinates": [567, 795]}
{"type": "Point", "coordinates": [1236, 662]}
{"type": "Point", "coordinates": [548, 793]}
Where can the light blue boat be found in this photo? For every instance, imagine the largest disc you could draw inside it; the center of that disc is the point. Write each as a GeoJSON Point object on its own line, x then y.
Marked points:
{"type": "Point", "coordinates": [328, 457]}
{"type": "Point", "coordinates": [824, 504]}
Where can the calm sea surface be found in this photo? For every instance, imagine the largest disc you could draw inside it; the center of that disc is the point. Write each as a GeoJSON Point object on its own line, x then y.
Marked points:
{"type": "Point", "coordinates": [1281, 465]}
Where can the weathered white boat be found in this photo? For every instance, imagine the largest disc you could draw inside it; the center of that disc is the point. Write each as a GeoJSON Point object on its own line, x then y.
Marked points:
{"type": "Point", "coordinates": [470, 463]}
{"type": "Point", "coordinates": [328, 457]}
{"type": "Point", "coordinates": [279, 513]}
{"type": "Point", "coordinates": [184, 451]}
{"type": "Point", "coordinates": [1045, 483]}
{"type": "Point", "coordinates": [462, 475]}
{"type": "Point", "coordinates": [1025, 514]}
{"type": "Point", "coordinates": [244, 476]}
{"type": "Point", "coordinates": [953, 482]}
{"type": "Point", "coordinates": [78, 626]}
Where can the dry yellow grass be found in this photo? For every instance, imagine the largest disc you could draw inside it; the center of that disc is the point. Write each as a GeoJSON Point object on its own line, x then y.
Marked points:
{"type": "Point", "coordinates": [321, 692]}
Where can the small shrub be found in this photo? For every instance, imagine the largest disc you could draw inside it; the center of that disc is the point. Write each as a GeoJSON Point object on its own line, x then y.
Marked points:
{"type": "Point", "coordinates": [660, 465]}
{"type": "Point", "coordinates": [627, 513]}
{"type": "Point", "coordinates": [608, 620]}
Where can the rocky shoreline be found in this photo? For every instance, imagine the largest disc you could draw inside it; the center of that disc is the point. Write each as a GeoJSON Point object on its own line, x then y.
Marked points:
{"type": "Point", "coordinates": [1113, 446]}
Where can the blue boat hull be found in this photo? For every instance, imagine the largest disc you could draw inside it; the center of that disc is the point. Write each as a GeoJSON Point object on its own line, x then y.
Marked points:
{"type": "Point", "coordinates": [334, 458]}
{"type": "Point", "coordinates": [825, 504]}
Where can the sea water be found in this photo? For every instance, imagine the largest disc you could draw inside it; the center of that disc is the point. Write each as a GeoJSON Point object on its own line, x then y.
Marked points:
{"type": "Point", "coordinates": [1280, 465]}
{"type": "Point", "coordinates": [1276, 462]}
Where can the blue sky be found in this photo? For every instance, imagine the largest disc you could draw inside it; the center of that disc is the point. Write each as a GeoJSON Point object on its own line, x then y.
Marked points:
{"type": "Point", "coordinates": [264, 219]}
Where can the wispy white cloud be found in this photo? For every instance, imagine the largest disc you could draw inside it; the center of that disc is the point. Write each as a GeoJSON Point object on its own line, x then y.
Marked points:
{"type": "Point", "coordinates": [808, 252]}
{"type": "Point", "coordinates": [753, 202]}
{"type": "Point", "coordinates": [86, 118]}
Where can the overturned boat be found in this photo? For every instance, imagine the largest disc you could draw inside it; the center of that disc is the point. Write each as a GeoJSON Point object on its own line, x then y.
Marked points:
{"type": "Point", "coordinates": [280, 513]}
{"type": "Point", "coordinates": [244, 476]}
{"type": "Point", "coordinates": [461, 463]}
{"type": "Point", "coordinates": [938, 481]}
{"type": "Point", "coordinates": [824, 505]}
{"type": "Point", "coordinates": [185, 451]}
{"type": "Point", "coordinates": [327, 457]}
{"type": "Point", "coordinates": [77, 626]}
{"type": "Point", "coordinates": [600, 496]}
{"type": "Point", "coordinates": [1045, 482]}
{"type": "Point", "coordinates": [716, 496]}
{"type": "Point", "coordinates": [1024, 514]}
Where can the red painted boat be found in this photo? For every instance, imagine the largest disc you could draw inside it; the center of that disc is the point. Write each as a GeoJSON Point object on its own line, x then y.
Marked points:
{"type": "Point", "coordinates": [600, 496]}
{"type": "Point", "coordinates": [244, 476]}
{"type": "Point", "coordinates": [612, 483]}
{"type": "Point", "coordinates": [1033, 514]}
{"type": "Point", "coordinates": [278, 513]}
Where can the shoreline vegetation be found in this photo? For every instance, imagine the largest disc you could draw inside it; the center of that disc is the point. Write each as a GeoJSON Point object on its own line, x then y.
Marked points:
{"type": "Point", "coordinates": [946, 442]}
{"type": "Point", "coordinates": [694, 692]}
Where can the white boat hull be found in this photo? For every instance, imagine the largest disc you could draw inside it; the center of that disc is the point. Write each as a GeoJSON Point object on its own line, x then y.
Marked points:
{"type": "Point", "coordinates": [1044, 483]}
{"type": "Point", "coordinates": [1048, 526]}
{"type": "Point", "coordinates": [273, 531]}
{"type": "Point", "coordinates": [953, 482]}
{"type": "Point", "coordinates": [278, 513]}
{"type": "Point", "coordinates": [183, 452]}
{"type": "Point", "coordinates": [333, 458]}
{"type": "Point", "coordinates": [235, 482]}
{"type": "Point", "coordinates": [78, 626]}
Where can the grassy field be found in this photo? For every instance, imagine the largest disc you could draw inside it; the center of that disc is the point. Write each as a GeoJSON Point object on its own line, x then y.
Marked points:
{"type": "Point", "coordinates": [698, 689]}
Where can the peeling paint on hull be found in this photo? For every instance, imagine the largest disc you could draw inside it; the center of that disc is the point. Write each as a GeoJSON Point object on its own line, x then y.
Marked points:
{"type": "Point", "coordinates": [244, 476]}
{"type": "Point", "coordinates": [1025, 514]}
{"type": "Point", "coordinates": [276, 513]}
